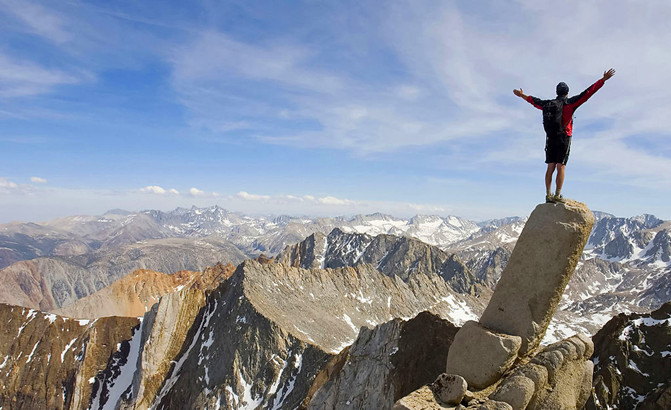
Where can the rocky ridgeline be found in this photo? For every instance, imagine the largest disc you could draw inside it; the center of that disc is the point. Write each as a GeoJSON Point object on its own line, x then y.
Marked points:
{"type": "Point", "coordinates": [263, 336]}
{"type": "Point", "coordinates": [392, 255]}
{"type": "Point", "coordinates": [497, 357]}
{"type": "Point", "coordinates": [633, 362]}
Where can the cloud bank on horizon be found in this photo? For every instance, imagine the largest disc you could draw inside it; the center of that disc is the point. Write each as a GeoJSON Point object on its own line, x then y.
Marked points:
{"type": "Point", "coordinates": [314, 107]}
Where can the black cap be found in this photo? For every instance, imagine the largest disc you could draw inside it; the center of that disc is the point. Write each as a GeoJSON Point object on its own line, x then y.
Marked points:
{"type": "Point", "coordinates": [562, 88]}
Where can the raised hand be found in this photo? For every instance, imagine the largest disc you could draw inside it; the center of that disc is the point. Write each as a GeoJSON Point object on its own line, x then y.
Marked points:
{"type": "Point", "coordinates": [608, 74]}
{"type": "Point", "coordinates": [519, 93]}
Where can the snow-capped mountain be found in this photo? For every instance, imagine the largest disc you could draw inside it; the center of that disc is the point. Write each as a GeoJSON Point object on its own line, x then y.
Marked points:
{"type": "Point", "coordinates": [253, 235]}
{"type": "Point", "coordinates": [626, 267]}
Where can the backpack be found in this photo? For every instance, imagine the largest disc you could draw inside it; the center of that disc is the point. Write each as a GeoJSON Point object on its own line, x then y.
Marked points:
{"type": "Point", "coordinates": [552, 117]}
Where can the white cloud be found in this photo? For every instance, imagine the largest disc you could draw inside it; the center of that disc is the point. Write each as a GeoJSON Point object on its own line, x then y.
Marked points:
{"type": "Point", "coordinates": [331, 200]}
{"type": "Point", "coordinates": [38, 180]}
{"type": "Point", "coordinates": [251, 197]}
{"type": "Point", "coordinates": [155, 189]}
{"type": "Point", "coordinates": [7, 184]}
{"type": "Point", "coordinates": [196, 192]}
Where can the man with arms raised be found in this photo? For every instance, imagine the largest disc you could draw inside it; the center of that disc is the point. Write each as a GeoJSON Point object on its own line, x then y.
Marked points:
{"type": "Point", "coordinates": [558, 124]}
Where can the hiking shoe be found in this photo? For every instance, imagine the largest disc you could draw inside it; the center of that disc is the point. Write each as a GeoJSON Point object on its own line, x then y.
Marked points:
{"type": "Point", "coordinates": [549, 198]}
{"type": "Point", "coordinates": [559, 199]}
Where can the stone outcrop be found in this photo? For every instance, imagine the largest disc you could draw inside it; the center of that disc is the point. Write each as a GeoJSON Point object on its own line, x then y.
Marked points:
{"type": "Point", "coordinates": [633, 362]}
{"type": "Point", "coordinates": [531, 285]}
{"type": "Point", "coordinates": [558, 377]}
{"type": "Point", "coordinates": [496, 355]}
{"type": "Point", "coordinates": [483, 355]}
{"type": "Point", "coordinates": [525, 297]}
{"type": "Point", "coordinates": [384, 364]}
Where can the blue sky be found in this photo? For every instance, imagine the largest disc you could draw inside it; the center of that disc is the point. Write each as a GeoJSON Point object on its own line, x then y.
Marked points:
{"type": "Point", "coordinates": [327, 108]}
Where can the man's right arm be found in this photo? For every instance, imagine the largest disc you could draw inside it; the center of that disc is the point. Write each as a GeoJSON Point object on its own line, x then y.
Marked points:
{"type": "Point", "coordinates": [536, 102]}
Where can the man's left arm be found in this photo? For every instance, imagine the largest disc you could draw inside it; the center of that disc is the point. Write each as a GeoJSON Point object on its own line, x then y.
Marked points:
{"type": "Point", "coordinates": [579, 99]}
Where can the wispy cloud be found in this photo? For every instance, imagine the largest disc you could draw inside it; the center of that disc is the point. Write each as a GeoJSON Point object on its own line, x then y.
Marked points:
{"type": "Point", "coordinates": [157, 190]}
{"type": "Point", "coordinates": [38, 180]}
{"type": "Point", "coordinates": [22, 78]}
{"type": "Point", "coordinates": [38, 19]}
{"type": "Point", "coordinates": [251, 197]}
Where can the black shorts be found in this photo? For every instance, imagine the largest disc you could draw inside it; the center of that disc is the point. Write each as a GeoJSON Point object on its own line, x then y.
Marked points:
{"type": "Point", "coordinates": [557, 150]}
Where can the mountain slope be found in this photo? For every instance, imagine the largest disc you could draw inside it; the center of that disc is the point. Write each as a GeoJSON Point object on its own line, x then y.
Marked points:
{"type": "Point", "coordinates": [51, 283]}
{"type": "Point", "coordinates": [271, 328]}
{"type": "Point", "coordinates": [51, 362]}
{"type": "Point", "coordinates": [135, 294]}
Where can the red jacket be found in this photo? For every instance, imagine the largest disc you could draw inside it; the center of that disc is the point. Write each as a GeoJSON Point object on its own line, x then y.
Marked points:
{"type": "Point", "coordinates": [570, 105]}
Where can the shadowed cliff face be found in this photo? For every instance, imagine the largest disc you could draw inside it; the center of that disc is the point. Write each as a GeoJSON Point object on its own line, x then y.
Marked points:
{"type": "Point", "coordinates": [52, 362]}
{"type": "Point", "coordinates": [632, 356]}
{"type": "Point", "coordinates": [384, 364]}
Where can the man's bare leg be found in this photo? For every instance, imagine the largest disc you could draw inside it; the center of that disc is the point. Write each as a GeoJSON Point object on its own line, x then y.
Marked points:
{"type": "Point", "coordinates": [561, 169]}
{"type": "Point", "coordinates": [548, 177]}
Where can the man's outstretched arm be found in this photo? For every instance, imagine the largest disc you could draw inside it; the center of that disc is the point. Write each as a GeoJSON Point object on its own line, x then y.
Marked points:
{"type": "Point", "coordinates": [579, 99]}
{"type": "Point", "coordinates": [536, 102]}
{"type": "Point", "coordinates": [520, 94]}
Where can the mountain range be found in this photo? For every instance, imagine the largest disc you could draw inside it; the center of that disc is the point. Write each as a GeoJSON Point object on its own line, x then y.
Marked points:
{"type": "Point", "coordinates": [293, 330]}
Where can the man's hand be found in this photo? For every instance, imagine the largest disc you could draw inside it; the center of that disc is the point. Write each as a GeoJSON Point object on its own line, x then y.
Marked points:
{"type": "Point", "coordinates": [608, 74]}
{"type": "Point", "coordinates": [520, 93]}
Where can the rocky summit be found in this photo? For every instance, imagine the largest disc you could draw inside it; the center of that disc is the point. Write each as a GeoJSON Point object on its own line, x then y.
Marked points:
{"type": "Point", "coordinates": [632, 362]}
{"type": "Point", "coordinates": [391, 255]}
{"type": "Point", "coordinates": [497, 356]}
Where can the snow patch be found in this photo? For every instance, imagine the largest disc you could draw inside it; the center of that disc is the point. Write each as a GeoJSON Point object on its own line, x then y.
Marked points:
{"type": "Point", "coordinates": [349, 322]}
{"type": "Point", "coordinates": [117, 386]}
{"type": "Point", "coordinates": [30, 357]}
{"type": "Point", "coordinates": [67, 347]}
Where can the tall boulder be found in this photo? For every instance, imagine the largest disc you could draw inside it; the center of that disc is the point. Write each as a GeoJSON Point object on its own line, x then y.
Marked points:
{"type": "Point", "coordinates": [544, 258]}
{"type": "Point", "coordinates": [514, 322]}
{"type": "Point", "coordinates": [526, 297]}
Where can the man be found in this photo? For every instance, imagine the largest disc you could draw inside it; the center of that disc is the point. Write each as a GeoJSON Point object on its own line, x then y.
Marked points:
{"type": "Point", "coordinates": [558, 124]}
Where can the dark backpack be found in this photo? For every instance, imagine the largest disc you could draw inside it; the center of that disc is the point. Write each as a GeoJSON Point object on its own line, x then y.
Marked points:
{"type": "Point", "coordinates": [552, 117]}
